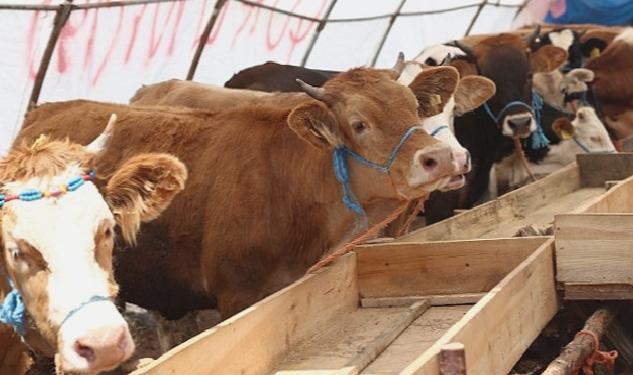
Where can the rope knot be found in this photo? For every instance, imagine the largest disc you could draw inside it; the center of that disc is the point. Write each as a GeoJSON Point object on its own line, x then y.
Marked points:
{"type": "Point", "coordinates": [598, 356]}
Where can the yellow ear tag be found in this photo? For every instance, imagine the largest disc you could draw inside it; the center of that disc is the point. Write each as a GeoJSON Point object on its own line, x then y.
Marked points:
{"type": "Point", "coordinates": [595, 52]}
{"type": "Point", "coordinates": [38, 142]}
{"type": "Point", "coordinates": [565, 135]}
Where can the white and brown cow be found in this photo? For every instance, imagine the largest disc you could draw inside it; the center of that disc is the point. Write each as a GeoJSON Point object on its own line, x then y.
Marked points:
{"type": "Point", "coordinates": [57, 237]}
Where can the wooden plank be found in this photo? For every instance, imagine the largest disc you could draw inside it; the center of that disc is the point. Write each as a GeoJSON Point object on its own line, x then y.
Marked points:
{"type": "Point", "coordinates": [595, 169]}
{"type": "Point", "coordinates": [618, 199]}
{"type": "Point", "coordinates": [420, 336]}
{"type": "Point", "coordinates": [474, 223]}
{"type": "Point", "coordinates": [253, 341]}
{"type": "Point", "coordinates": [577, 291]}
{"type": "Point", "coordinates": [431, 268]}
{"type": "Point", "coordinates": [595, 250]}
{"type": "Point", "coordinates": [500, 327]}
{"type": "Point", "coordinates": [435, 300]}
{"type": "Point", "coordinates": [369, 353]}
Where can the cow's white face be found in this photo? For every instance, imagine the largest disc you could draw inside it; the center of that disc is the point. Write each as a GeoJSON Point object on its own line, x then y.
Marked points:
{"type": "Point", "coordinates": [589, 130]}
{"type": "Point", "coordinates": [57, 250]}
{"type": "Point", "coordinates": [435, 126]}
{"type": "Point", "coordinates": [60, 253]}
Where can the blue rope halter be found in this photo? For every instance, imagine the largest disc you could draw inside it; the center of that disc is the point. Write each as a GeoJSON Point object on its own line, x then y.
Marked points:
{"type": "Point", "coordinates": [341, 168]}
{"type": "Point", "coordinates": [537, 138]}
{"type": "Point", "coordinates": [13, 310]}
{"type": "Point", "coordinates": [587, 150]}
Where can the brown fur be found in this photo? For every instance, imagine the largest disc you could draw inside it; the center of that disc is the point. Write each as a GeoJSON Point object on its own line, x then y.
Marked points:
{"type": "Point", "coordinates": [142, 189]}
{"type": "Point", "coordinates": [41, 159]}
{"type": "Point", "coordinates": [613, 72]}
{"type": "Point", "coordinates": [613, 86]}
{"type": "Point", "coordinates": [261, 204]}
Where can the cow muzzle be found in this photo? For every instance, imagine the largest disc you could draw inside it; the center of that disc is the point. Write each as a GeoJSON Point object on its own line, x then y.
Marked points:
{"type": "Point", "coordinates": [94, 340]}
{"type": "Point", "coordinates": [431, 164]}
{"type": "Point", "coordinates": [520, 125]}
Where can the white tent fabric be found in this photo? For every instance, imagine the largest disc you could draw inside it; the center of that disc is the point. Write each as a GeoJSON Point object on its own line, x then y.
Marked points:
{"type": "Point", "coordinates": [107, 53]}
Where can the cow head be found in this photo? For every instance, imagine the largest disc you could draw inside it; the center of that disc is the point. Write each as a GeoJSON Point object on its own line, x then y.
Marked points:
{"type": "Point", "coordinates": [370, 113]}
{"type": "Point", "coordinates": [589, 134]}
{"type": "Point", "coordinates": [472, 91]}
{"type": "Point", "coordinates": [509, 63]}
{"type": "Point", "coordinates": [57, 249]}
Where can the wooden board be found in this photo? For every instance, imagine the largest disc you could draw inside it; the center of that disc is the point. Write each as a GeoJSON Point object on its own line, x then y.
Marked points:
{"type": "Point", "coordinates": [595, 169]}
{"type": "Point", "coordinates": [594, 255]}
{"type": "Point", "coordinates": [498, 329]}
{"type": "Point", "coordinates": [420, 336]}
{"type": "Point", "coordinates": [456, 267]}
{"type": "Point", "coordinates": [253, 341]}
{"type": "Point", "coordinates": [516, 204]}
{"type": "Point", "coordinates": [618, 199]}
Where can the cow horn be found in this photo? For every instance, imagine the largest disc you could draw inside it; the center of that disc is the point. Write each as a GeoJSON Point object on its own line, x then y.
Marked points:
{"type": "Point", "coordinates": [466, 49]}
{"type": "Point", "coordinates": [399, 65]}
{"type": "Point", "coordinates": [101, 142]}
{"type": "Point", "coordinates": [535, 34]}
{"type": "Point", "coordinates": [580, 34]}
{"type": "Point", "coordinates": [317, 93]}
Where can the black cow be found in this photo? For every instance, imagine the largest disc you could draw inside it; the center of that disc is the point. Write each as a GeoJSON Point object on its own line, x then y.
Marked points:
{"type": "Point", "coordinates": [271, 77]}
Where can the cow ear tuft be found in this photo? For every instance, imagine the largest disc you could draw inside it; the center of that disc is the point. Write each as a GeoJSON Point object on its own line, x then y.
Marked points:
{"type": "Point", "coordinates": [472, 92]}
{"type": "Point", "coordinates": [142, 188]}
{"type": "Point", "coordinates": [315, 123]}
{"type": "Point", "coordinates": [433, 88]}
{"type": "Point", "coordinates": [547, 59]}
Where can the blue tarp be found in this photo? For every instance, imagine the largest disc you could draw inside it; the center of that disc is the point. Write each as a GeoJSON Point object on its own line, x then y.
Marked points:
{"type": "Point", "coordinates": [604, 12]}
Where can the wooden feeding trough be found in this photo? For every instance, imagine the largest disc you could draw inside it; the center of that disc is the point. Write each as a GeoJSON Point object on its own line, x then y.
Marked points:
{"type": "Point", "coordinates": [392, 308]}
{"type": "Point", "coordinates": [408, 299]}
{"type": "Point", "coordinates": [567, 190]}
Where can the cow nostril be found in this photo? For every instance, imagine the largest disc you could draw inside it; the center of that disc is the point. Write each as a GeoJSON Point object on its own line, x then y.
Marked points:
{"type": "Point", "coordinates": [85, 352]}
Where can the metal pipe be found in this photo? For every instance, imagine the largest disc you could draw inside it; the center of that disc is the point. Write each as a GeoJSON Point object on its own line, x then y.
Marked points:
{"type": "Point", "coordinates": [203, 38]}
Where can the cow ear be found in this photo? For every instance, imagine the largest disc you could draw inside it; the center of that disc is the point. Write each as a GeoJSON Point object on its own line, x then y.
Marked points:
{"type": "Point", "coordinates": [315, 123]}
{"type": "Point", "coordinates": [472, 91]}
{"type": "Point", "coordinates": [563, 128]}
{"type": "Point", "coordinates": [433, 88]}
{"type": "Point", "coordinates": [142, 188]}
{"type": "Point", "coordinates": [581, 74]}
{"type": "Point", "coordinates": [547, 59]}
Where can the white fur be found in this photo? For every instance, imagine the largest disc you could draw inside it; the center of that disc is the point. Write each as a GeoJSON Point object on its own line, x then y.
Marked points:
{"type": "Point", "coordinates": [62, 229]}
{"type": "Point", "coordinates": [563, 38]}
{"type": "Point", "coordinates": [446, 117]}
{"type": "Point", "coordinates": [589, 130]}
{"type": "Point", "coordinates": [508, 132]}
{"type": "Point", "coordinates": [438, 53]}
{"type": "Point", "coordinates": [625, 36]}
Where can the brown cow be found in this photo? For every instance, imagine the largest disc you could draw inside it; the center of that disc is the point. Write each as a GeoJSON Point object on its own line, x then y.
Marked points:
{"type": "Point", "coordinates": [275, 160]}
{"type": "Point", "coordinates": [613, 83]}
{"type": "Point", "coordinates": [57, 240]}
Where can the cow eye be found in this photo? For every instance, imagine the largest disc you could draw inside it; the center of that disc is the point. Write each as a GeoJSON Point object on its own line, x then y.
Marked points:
{"type": "Point", "coordinates": [359, 126]}
{"type": "Point", "coordinates": [15, 252]}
